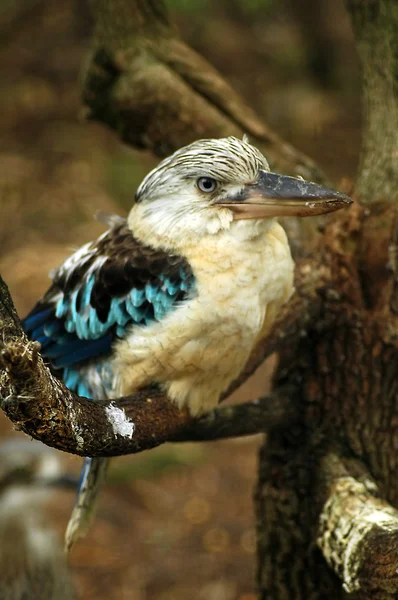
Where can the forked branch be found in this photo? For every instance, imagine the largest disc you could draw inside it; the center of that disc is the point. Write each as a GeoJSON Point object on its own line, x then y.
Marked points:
{"type": "Point", "coordinates": [157, 93]}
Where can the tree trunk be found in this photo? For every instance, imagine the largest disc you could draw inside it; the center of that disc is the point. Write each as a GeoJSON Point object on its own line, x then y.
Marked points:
{"type": "Point", "coordinates": [347, 376]}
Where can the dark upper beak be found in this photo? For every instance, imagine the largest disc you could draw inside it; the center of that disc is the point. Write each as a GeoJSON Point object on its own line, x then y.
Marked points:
{"type": "Point", "coordinates": [274, 195]}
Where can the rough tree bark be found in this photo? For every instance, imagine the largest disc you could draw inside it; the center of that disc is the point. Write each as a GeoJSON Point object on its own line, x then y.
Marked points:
{"type": "Point", "coordinates": [327, 526]}
{"type": "Point", "coordinates": [311, 496]}
{"type": "Point", "coordinates": [159, 94]}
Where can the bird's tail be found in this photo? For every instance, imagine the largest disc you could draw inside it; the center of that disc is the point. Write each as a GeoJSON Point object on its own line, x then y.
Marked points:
{"type": "Point", "coordinates": [93, 474]}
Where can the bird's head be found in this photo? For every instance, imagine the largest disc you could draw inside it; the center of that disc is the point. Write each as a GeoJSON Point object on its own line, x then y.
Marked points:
{"type": "Point", "coordinates": [213, 185]}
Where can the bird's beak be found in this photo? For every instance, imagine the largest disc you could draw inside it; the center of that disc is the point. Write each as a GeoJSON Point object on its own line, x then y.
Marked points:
{"type": "Point", "coordinates": [274, 195]}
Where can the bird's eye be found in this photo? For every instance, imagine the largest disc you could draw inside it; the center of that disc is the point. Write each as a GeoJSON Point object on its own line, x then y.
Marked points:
{"type": "Point", "coordinates": [206, 184]}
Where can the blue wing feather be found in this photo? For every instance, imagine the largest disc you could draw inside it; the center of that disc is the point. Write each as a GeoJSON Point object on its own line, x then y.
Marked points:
{"type": "Point", "coordinates": [96, 296]}
{"type": "Point", "coordinates": [37, 319]}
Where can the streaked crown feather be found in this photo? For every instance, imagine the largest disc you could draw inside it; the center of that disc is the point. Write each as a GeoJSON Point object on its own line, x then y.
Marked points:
{"type": "Point", "coordinates": [227, 159]}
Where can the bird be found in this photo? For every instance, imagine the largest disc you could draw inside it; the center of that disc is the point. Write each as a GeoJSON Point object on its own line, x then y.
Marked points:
{"type": "Point", "coordinates": [178, 293]}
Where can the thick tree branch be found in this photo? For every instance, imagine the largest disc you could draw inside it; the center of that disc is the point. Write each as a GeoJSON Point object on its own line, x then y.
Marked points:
{"type": "Point", "coordinates": [44, 408]}
{"type": "Point", "coordinates": [9, 320]}
{"type": "Point", "coordinates": [41, 406]}
{"type": "Point", "coordinates": [358, 530]}
{"type": "Point", "coordinates": [157, 93]}
{"type": "Point", "coordinates": [273, 410]}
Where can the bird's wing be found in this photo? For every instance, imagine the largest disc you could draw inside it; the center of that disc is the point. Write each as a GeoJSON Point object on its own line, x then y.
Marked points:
{"type": "Point", "coordinates": [101, 290]}
{"type": "Point", "coordinates": [98, 293]}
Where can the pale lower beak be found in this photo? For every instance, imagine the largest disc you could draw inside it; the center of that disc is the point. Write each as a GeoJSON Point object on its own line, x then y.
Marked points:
{"type": "Point", "coordinates": [274, 195]}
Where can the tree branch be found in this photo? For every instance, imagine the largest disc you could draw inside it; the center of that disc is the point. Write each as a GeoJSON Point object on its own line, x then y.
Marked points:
{"type": "Point", "coordinates": [358, 530]}
{"type": "Point", "coordinates": [157, 93]}
{"type": "Point", "coordinates": [273, 410]}
{"type": "Point", "coordinates": [44, 408]}
{"type": "Point", "coordinates": [41, 406]}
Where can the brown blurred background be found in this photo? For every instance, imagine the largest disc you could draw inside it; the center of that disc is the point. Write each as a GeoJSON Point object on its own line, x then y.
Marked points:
{"type": "Point", "coordinates": [175, 522]}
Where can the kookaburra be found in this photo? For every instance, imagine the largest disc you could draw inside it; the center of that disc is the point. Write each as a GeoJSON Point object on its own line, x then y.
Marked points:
{"type": "Point", "coordinates": [178, 293]}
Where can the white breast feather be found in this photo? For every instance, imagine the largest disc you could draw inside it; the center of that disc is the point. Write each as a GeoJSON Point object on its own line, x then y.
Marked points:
{"type": "Point", "coordinates": [200, 348]}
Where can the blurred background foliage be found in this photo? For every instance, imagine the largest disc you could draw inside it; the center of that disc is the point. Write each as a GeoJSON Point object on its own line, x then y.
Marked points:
{"type": "Point", "coordinates": [176, 522]}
